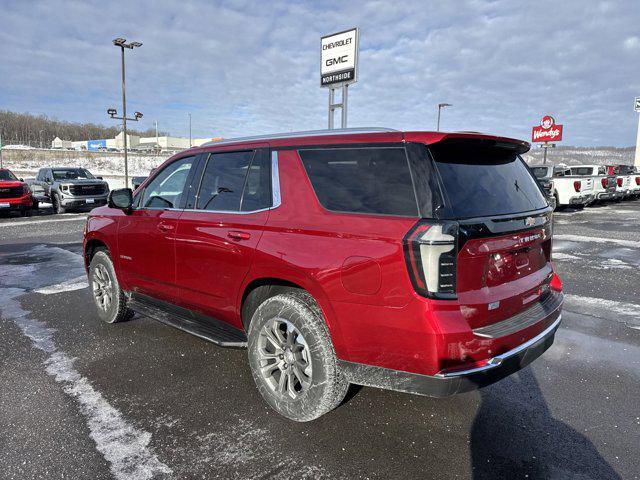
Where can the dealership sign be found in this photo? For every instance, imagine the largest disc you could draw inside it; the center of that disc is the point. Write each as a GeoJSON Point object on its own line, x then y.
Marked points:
{"type": "Point", "coordinates": [547, 131]}
{"type": "Point", "coordinates": [339, 58]}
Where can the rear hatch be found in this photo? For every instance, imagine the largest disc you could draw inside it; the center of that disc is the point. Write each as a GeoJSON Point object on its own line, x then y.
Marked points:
{"type": "Point", "coordinates": [491, 240]}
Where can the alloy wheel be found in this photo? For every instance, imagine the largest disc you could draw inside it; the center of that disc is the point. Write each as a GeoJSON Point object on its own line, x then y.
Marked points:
{"type": "Point", "coordinates": [284, 358]}
{"type": "Point", "coordinates": [102, 287]}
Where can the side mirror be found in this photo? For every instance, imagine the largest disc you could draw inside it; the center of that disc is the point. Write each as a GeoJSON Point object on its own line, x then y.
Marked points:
{"type": "Point", "coordinates": [21, 179]}
{"type": "Point", "coordinates": [48, 179]}
{"type": "Point", "coordinates": [100, 178]}
{"type": "Point", "coordinates": [121, 198]}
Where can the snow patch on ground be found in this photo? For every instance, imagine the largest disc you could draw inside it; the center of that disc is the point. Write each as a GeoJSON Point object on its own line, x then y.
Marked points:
{"type": "Point", "coordinates": [615, 241]}
{"type": "Point", "coordinates": [251, 453]}
{"type": "Point", "coordinates": [124, 446]}
{"type": "Point", "coordinates": [564, 256]}
{"type": "Point", "coordinates": [77, 283]}
{"type": "Point", "coordinates": [627, 313]}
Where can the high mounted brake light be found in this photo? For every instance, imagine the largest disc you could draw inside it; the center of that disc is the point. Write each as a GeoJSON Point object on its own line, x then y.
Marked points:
{"type": "Point", "coordinates": [431, 253]}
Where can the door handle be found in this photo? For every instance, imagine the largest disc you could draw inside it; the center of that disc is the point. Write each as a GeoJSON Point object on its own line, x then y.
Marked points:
{"type": "Point", "coordinates": [238, 235]}
{"type": "Point", "coordinates": [165, 227]}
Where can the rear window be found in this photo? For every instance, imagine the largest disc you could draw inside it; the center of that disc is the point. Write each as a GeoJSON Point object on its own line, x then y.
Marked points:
{"type": "Point", "coordinates": [362, 180]}
{"type": "Point", "coordinates": [540, 172]}
{"type": "Point", "coordinates": [581, 170]}
{"type": "Point", "coordinates": [481, 179]}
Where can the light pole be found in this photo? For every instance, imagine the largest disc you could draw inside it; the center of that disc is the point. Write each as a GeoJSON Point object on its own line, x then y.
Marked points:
{"type": "Point", "coordinates": [189, 130]}
{"type": "Point", "coordinates": [440, 107]}
{"type": "Point", "coordinates": [40, 137]}
{"type": "Point", "coordinates": [122, 44]}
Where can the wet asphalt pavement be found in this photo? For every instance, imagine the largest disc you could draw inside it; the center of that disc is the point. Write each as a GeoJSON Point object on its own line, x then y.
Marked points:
{"type": "Point", "coordinates": [82, 399]}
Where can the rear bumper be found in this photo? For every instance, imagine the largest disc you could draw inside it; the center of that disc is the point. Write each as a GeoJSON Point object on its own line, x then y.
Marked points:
{"type": "Point", "coordinates": [451, 383]}
{"type": "Point", "coordinates": [581, 199]}
{"type": "Point", "coordinates": [606, 195]}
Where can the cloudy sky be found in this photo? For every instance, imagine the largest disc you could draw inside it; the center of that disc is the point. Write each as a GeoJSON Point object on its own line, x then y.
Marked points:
{"type": "Point", "coordinates": [251, 67]}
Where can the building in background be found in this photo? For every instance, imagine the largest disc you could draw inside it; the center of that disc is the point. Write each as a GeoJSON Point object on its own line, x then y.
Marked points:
{"type": "Point", "coordinates": [135, 143]}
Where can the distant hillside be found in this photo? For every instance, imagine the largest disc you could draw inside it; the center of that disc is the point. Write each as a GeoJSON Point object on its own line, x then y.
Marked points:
{"type": "Point", "coordinates": [27, 129]}
{"type": "Point", "coordinates": [582, 155]}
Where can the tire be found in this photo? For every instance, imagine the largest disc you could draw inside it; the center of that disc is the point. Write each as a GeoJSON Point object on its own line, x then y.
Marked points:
{"type": "Point", "coordinates": [303, 382]}
{"type": "Point", "coordinates": [109, 298]}
{"type": "Point", "coordinates": [57, 206]}
{"type": "Point", "coordinates": [26, 212]}
{"type": "Point", "coordinates": [35, 205]}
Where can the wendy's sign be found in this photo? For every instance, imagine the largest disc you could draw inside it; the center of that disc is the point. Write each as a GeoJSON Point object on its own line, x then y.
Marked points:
{"type": "Point", "coordinates": [547, 131]}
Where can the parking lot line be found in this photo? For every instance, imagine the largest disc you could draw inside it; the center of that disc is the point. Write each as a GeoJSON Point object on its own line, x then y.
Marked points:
{"type": "Point", "coordinates": [33, 222]}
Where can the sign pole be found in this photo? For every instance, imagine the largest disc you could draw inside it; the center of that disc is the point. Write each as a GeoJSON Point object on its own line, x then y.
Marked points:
{"type": "Point", "coordinates": [345, 90]}
{"type": "Point", "coordinates": [637, 158]}
{"type": "Point", "coordinates": [544, 161]}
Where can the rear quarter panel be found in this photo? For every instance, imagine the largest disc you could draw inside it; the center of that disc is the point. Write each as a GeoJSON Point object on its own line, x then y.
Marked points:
{"type": "Point", "coordinates": [348, 262]}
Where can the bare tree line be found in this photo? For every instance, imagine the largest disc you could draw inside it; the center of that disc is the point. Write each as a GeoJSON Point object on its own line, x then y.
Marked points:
{"type": "Point", "coordinates": [40, 130]}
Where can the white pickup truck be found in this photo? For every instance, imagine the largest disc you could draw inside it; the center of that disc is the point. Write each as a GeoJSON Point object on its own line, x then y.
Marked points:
{"type": "Point", "coordinates": [628, 180]}
{"type": "Point", "coordinates": [604, 186]}
{"type": "Point", "coordinates": [566, 189]}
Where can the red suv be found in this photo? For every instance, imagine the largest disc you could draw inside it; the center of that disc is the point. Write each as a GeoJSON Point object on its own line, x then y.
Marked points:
{"type": "Point", "coordinates": [413, 261]}
{"type": "Point", "coordinates": [15, 195]}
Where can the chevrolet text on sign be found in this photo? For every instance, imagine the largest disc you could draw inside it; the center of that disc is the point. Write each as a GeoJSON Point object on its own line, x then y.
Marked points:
{"type": "Point", "coordinates": [339, 58]}
{"type": "Point", "coordinates": [547, 131]}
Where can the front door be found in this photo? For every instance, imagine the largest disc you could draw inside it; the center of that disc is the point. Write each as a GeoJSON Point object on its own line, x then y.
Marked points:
{"type": "Point", "coordinates": [216, 241]}
{"type": "Point", "coordinates": [146, 237]}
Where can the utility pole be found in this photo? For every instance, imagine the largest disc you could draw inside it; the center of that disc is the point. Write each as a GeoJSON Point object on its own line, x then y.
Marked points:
{"type": "Point", "coordinates": [189, 130]}
{"type": "Point", "coordinates": [440, 107]}
{"type": "Point", "coordinates": [157, 140]}
{"type": "Point", "coordinates": [121, 43]}
{"type": "Point", "coordinates": [40, 137]}
{"type": "Point", "coordinates": [0, 149]}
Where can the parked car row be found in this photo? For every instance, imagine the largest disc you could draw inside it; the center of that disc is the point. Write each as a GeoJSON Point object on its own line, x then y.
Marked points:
{"type": "Point", "coordinates": [66, 188]}
{"type": "Point", "coordinates": [583, 185]}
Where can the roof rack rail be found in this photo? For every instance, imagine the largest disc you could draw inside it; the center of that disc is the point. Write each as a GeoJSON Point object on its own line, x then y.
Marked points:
{"type": "Point", "coordinates": [308, 133]}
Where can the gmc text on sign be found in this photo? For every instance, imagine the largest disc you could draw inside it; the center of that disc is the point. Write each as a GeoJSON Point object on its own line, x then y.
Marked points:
{"type": "Point", "coordinates": [339, 58]}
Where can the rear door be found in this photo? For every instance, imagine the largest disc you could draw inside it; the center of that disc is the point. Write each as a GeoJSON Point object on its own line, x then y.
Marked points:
{"type": "Point", "coordinates": [216, 240]}
{"type": "Point", "coordinates": [146, 237]}
{"type": "Point", "coordinates": [504, 236]}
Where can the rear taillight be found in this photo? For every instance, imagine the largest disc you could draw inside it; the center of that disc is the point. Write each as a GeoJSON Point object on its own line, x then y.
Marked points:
{"type": "Point", "coordinates": [577, 185]}
{"type": "Point", "coordinates": [605, 182]}
{"type": "Point", "coordinates": [619, 182]}
{"type": "Point", "coordinates": [637, 180]}
{"type": "Point", "coordinates": [431, 252]}
{"type": "Point", "coordinates": [556, 283]}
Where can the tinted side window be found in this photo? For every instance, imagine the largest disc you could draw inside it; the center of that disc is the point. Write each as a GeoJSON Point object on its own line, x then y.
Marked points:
{"type": "Point", "coordinates": [223, 181]}
{"type": "Point", "coordinates": [362, 180]}
{"type": "Point", "coordinates": [257, 188]}
{"type": "Point", "coordinates": [165, 190]}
